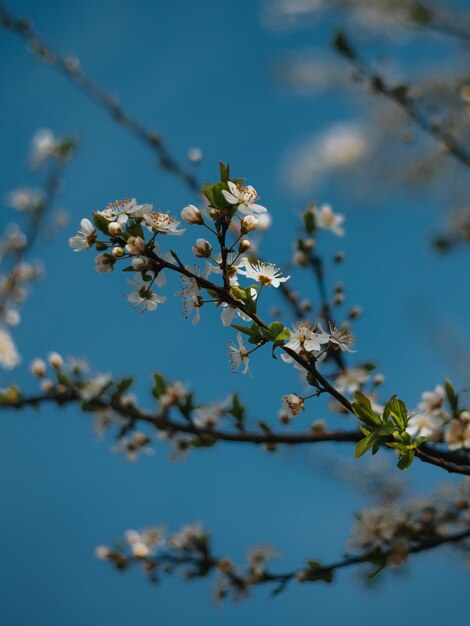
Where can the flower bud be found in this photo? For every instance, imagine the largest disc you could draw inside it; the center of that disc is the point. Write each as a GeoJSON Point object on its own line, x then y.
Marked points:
{"type": "Point", "coordinates": [55, 360]}
{"type": "Point", "coordinates": [195, 155]}
{"type": "Point", "coordinates": [114, 229]}
{"type": "Point", "coordinates": [38, 368]}
{"type": "Point", "coordinates": [300, 258]}
{"type": "Point", "coordinates": [117, 252]}
{"type": "Point", "coordinates": [244, 246]}
{"type": "Point", "coordinates": [339, 257]}
{"type": "Point", "coordinates": [355, 312]}
{"type": "Point", "coordinates": [138, 263]}
{"type": "Point", "coordinates": [202, 249]}
{"type": "Point", "coordinates": [135, 245]}
{"type": "Point", "coordinates": [248, 223]}
{"type": "Point", "coordinates": [192, 215]}
{"type": "Point", "coordinates": [378, 379]}
{"type": "Point", "coordinates": [102, 552]}
{"type": "Point", "coordinates": [47, 385]}
{"type": "Point", "coordinates": [101, 246]}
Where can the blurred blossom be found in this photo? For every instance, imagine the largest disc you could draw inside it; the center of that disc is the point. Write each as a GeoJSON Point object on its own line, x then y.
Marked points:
{"type": "Point", "coordinates": [25, 199]}
{"type": "Point", "coordinates": [9, 356]}
{"type": "Point", "coordinates": [340, 147]}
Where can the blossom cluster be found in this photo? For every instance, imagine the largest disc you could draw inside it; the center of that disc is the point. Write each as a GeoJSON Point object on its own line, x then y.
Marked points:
{"type": "Point", "coordinates": [128, 232]}
{"type": "Point", "coordinates": [17, 273]}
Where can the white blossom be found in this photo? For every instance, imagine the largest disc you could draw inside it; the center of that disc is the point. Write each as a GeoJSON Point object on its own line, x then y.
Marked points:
{"type": "Point", "coordinates": [162, 223]}
{"type": "Point", "coordinates": [85, 238]}
{"type": "Point", "coordinates": [104, 263]}
{"type": "Point", "coordinates": [239, 355]}
{"type": "Point", "coordinates": [263, 273]}
{"type": "Point", "coordinates": [327, 220]}
{"type": "Point", "coordinates": [143, 297]}
{"type": "Point", "coordinates": [121, 210]}
{"type": "Point", "coordinates": [24, 199]}
{"type": "Point", "coordinates": [192, 215]}
{"type": "Point", "coordinates": [244, 197]}
{"type": "Point", "coordinates": [341, 337]}
{"type": "Point", "coordinates": [9, 356]}
{"type": "Point", "coordinates": [308, 336]}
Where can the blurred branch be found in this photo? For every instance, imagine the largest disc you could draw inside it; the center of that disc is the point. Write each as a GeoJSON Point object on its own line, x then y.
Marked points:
{"type": "Point", "coordinates": [401, 96]}
{"type": "Point", "coordinates": [70, 67]}
{"type": "Point", "coordinates": [192, 549]}
{"type": "Point", "coordinates": [451, 462]}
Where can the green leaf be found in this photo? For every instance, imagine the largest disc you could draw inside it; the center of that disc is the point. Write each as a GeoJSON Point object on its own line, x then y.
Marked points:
{"type": "Point", "coordinates": [101, 223]}
{"type": "Point", "coordinates": [398, 412]}
{"type": "Point", "coordinates": [386, 429]}
{"type": "Point", "coordinates": [406, 460]}
{"type": "Point", "coordinates": [224, 172]}
{"type": "Point", "coordinates": [207, 190]}
{"type": "Point", "coordinates": [243, 329]}
{"type": "Point", "coordinates": [309, 220]}
{"type": "Point", "coordinates": [452, 396]}
{"type": "Point", "coordinates": [364, 445]}
{"type": "Point", "coordinates": [124, 385]}
{"type": "Point", "coordinates": [363, 409]}
{"type": "Point", "coordinates": [159, 386]}
{"type": "Point", "coordinates": [284, 335]}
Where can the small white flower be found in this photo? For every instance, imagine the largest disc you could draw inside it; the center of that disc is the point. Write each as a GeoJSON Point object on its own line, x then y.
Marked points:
{"type": "Point", "coordinates": [174, 394]}
{"type": "Point", "coordinates": [162, 223]}
{"type": "Point", "coordinates": [192, 215]}
{"type": "Point", "coordinates": [341, 337]}
{"type": "Point", "coordinates": [9, 356]}
{"type": "Point", "coordinates": [137, 443]}
{"type": "Point", "coordinates": [104, 263]}
{"type": "Point", "coordinates": [351, 379]}
{"type": "Point", "coordinates": [235, 265]}
{"type": "Point", "coordinates": [143, 297]}
{"type": "Point", "coordinates": [135, 245]}
{"type": "Point", "coordinates": [38, 368]}
{"type": "Point", "coordinates": [425, 425]}
{"type": "Point", "coordinates": [188, 537]}
{"type": "Point", "coordinates": [308, 336]}
{"type": "Point", "coordinates": [44, 145]}
{"type": "Point", "coordinates": [458, 435]}
{"type": "Point", "coordinates": [55, 360]}
{"type": "Point", "coordinates": [102, 552]}
{"type": "Point", "coordinates": [202, 249]}
{"type": "Point", "coordinates": [94, 387]}
{"type": "Point", "coordinates": [192, 302]}
{"type": "Point", "coordinates": [327, 220]}
{"type": "Point", "coordinates": [25, 199]}
{"type": "Point", "coordinates": [248, 224]}
{"type": "Point", "coordinates": [121, 210]}
{"type": "Point", "coordinates": [195, 154]}
{"type": "Point", "coordinates": [264, 273]}
{"type": "Point", "coordinates": [145, 542]}
{"type": "Point", "coordinates": [294, 403]}
{"type": "Point", "coordinates": [432, 400]}
{"type": "Point", "coordinates": [239, 355]}
{"type": "Point", "coordinates": [114, 229]}
{"type": "Point", "coordinates": [208, 416]}
{"type": "Point", "coordinates": [245, 197]}
{"type": "Point", "coordinates": [85, 238]}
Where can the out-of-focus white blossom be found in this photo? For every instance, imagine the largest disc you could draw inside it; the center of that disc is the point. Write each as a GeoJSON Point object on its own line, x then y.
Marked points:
{"type": "Point", "coordinates": [9, 356]}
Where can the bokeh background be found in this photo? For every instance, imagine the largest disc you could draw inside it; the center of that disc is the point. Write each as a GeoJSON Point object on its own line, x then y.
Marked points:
{"type": "Point", "coordinates": [204, 74]}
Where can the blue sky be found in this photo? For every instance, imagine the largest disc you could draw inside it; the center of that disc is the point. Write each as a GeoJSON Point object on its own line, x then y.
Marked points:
{"type": "Point", "coordinates": [199, 73]}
